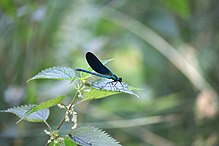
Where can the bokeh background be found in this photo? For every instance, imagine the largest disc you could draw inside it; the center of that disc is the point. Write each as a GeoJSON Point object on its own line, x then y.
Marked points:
{"type": "Point", "coordinates": [169, 49]}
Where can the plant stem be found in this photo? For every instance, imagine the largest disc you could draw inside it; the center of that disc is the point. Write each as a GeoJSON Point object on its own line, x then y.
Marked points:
{"type": "Point", "coordinates": [63, 118]}
{"type": "Point", "coordinates": [50, 129]}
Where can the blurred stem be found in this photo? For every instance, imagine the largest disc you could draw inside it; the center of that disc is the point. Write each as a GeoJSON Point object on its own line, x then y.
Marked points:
{"type": "Point", "coordinates": [50, 129]}
{"type": "Point", "coordinates": [157, 42]}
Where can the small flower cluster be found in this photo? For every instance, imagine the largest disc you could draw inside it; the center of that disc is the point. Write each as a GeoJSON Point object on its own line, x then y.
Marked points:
{"type": "Point", "coordinates": [70, 112]}
{"type": "Point", "coordinates": [80, 88]}
{"type": "Point", "coordinates": [54, 137]}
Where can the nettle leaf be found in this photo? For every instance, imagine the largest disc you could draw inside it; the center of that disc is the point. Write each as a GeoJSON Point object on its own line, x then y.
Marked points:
{"type": "Point", "coordinates": [43, 105]}
{"type": "Point", "coordinates": [47, 104]}
{"type": "Point", "coordinates": [21, 112]}
{"type": "Point", "coordinates": [67, 142]}
{"type": "Point", "coordinates": [93, 93]}
{"type": "Point", "coordinates": [104, 87]}
{"type": "Point", "coordinates": [91, 136]}
{"type": "Point", "coordinates": [57, 73]}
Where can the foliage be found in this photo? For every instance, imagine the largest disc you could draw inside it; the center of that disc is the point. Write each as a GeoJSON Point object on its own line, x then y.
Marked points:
{"type": "Point", "coordinates": [93, 136]}
{"type": "Point", "coordinates": [167, 48]}
{"type": "Point", "coordinates": [23, 112]}
{"type": "Point", "coordinates": [84, 135]}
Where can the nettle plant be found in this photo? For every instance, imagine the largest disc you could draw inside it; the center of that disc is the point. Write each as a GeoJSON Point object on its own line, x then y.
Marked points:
{"type": "Point", "coordinates": [87, 88]}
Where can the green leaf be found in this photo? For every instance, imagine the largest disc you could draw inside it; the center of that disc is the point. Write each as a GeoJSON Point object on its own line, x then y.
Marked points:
{"type": "Point", "coordinates": [43, 105]}
{"type": "Point", "coordinates": [47, 104]}
{"type": "Point", "coordinates": [57, 73]}
{"type": "Point", "coordinates": [67, 142]}
{"type": "Point", "coordinates": [102, 88]}
{"type": "Point", "coordinates": [97, 93]}
{"type": "Point", "coordinates": [91, 136]}
{"type": "Point", "coordinates": [21, 111]}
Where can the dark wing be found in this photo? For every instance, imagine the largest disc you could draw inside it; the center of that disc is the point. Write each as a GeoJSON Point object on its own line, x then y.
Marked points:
{"type": "Point", "coordinates": [96, 65]}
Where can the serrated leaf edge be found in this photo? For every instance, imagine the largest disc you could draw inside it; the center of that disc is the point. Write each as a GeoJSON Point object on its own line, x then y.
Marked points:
{"type": "Point", "coordinates": [51, 68]}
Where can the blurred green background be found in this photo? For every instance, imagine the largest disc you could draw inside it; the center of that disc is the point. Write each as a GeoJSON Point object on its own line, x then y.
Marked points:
{"type": "Point", "coordinates": [168, 48]}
